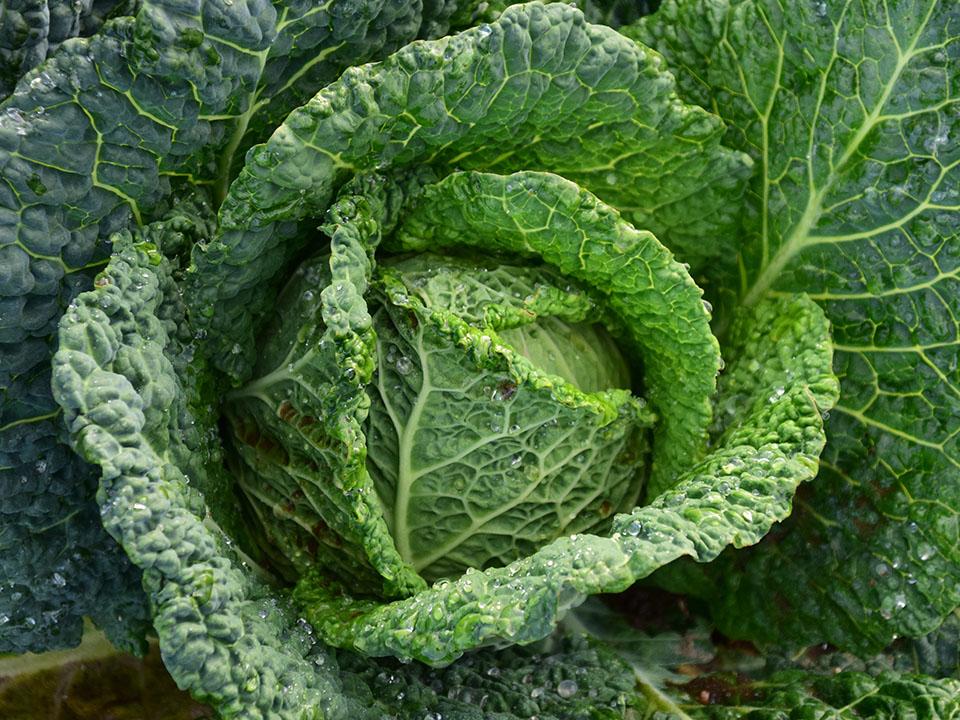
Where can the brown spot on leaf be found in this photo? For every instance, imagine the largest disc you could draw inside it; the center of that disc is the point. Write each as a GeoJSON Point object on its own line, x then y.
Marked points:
{"type": "Point", "coordinates": [286, 411]}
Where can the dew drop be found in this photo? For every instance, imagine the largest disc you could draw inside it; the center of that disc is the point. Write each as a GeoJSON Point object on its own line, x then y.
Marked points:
{"type": "Point", "coordinates": [567, 688]}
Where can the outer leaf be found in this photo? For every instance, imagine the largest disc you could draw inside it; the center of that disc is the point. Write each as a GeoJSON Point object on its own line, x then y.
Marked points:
{"type": "Point", "coordinates": [96, 138]}
{"type": "Point", "coordinates": [23, 37]}
{"type": "Point", "coordinates": [538, 89]}
{"type": "Point", "coordinates": [225, 637]}
{"type": "Point", "coordinates": [686, 676]}
{"type": "Point", "coordinates": [31, 30]}
{"type": "Point", "coordinates": [732, 497]}
{"type": "Point", "coordinates": [936, 654]}
{"type": "Point", "coordinates": [795, 694]}
{"type": "Point", "coordinates": [850, 110]}
{"type": "Point", "coordinates": [222, 635]}
{"type": "Point", "coordinates": [565, 677]}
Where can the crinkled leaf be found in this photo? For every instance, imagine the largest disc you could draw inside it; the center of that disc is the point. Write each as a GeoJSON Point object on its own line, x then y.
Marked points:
{"type": "Point", "coordinates": [481, 455]}
{"type": "Point", "coordinates": [732, 497]}
{"type": "Point", "coordinates": [31, 30]}
{"type": "Point", "coordinates": [565, 677]}
{"type": "Point", "coordinates": [851, 113]}
{"type": "Point", "coordinates": [223, 635]}
{"type": "Point", "coordinates": [538, 89]}
{"type": "Point", "coordinates": [665, 323]}
{"type": "Point", "coordinates": [299, 426]}
{"type": "Point", "coordinates": [795, 694]}
{"type": "Point", "coordinates": [99, 136]}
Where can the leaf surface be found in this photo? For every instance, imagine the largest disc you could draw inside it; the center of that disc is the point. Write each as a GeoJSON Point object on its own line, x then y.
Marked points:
{"type": "Point", "coordinates": [732, 497]}
{"type": "Point", "coordinates": [101, 136]}
{"type": "Point", "coordinates": [850, 110]}
{"type": "Point", "coordinates": [539, 89]}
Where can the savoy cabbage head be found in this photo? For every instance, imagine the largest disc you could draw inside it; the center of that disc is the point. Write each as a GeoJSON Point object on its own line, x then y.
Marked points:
{"type": "Point", "coordinates": [343, 362]}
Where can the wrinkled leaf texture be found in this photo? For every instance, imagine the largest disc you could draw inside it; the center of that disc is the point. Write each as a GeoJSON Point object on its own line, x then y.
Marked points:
{"type": "Point", "coordinates": [108, 132]}
{"type": "Point", "coordinates": [851, 111]}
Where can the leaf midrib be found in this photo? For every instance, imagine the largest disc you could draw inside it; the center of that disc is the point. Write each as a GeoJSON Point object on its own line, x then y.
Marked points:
{"type": "Point", "coordinates": [405, 446]}
{"type": "Point", "coordinates": [800, 236]}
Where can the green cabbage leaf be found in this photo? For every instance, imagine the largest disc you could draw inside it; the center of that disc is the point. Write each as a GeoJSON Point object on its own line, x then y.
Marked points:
{"type": "Point", "coordinates": [110, 132]}
{"type": "Point", "coordinates": [134, 374]}
{"type": "Point", "coordinates": [350, 362]}
{"type": "Point", "coordinates": [850, 111]}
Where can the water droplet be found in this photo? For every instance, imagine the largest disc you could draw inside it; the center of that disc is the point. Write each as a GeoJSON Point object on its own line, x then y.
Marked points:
{"type": "Point", "coordinates": [567, 688]}
{"type": "Point", "coordinates": [933, 143]}
{"type": "Point", "coordinates": [891, 605]}
{"type": "Point", "coordinates": [404, 365]}
{"type": "Point", "coordinates": [4, 619]}
{"type": "Point", "coordinates": [611, 178]}
{"type": "Point", "coordinates": [927, 551]}
{"type": "Point", "coordinates": [536, 693]}
{"type": "Point", "coordinates": [747, 515]}
{"type": "Point", "coordinates": [634, 528]}
{"type": "Point", "coordinates": [59, 580]}
{"type": "Point", "coordinates": [732, 465]}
